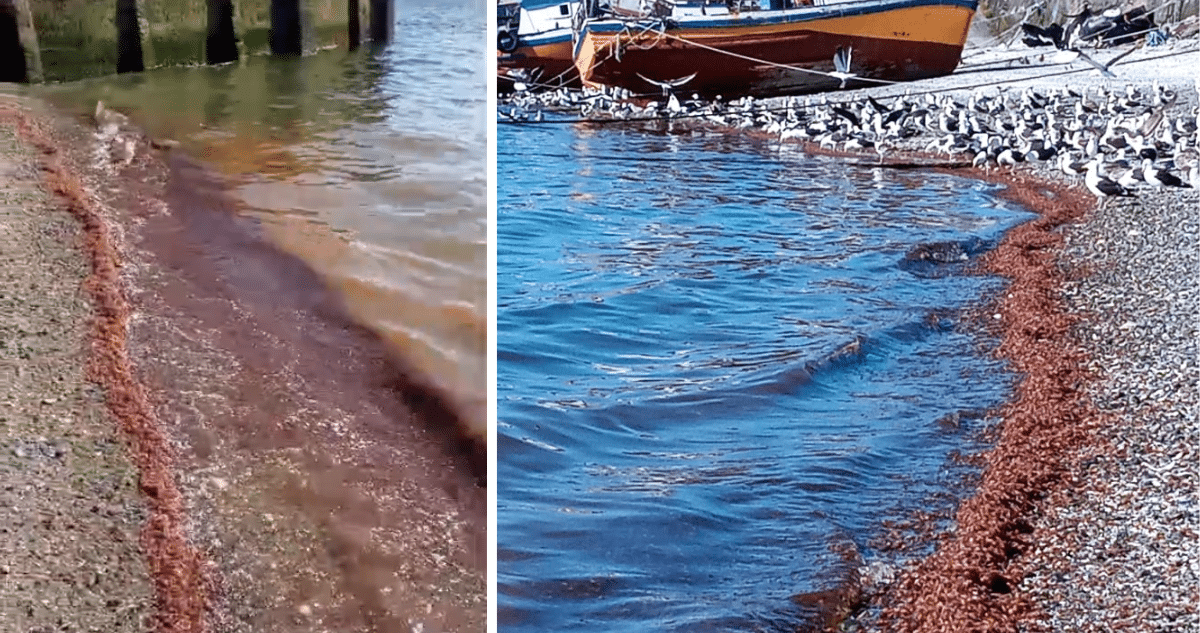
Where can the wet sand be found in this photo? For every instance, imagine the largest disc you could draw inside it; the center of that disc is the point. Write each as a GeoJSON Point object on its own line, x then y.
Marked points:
{"type": "Point", "coordinates": [298, 476]}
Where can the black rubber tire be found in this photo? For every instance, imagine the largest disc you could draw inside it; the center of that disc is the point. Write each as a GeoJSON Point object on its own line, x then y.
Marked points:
{"type": "Point", "coordinates": [506, 41]}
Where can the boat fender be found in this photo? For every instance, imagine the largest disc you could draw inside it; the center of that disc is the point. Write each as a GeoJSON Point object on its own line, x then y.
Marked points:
{"type": "Point", "coordinates": [506, 41]}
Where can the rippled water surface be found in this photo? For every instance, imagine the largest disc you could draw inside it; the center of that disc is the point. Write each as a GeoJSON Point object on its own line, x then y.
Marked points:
{"type": "Point", "coordinates": [369, 165]}
{"type": "Point", "coordinates": [718, 372]}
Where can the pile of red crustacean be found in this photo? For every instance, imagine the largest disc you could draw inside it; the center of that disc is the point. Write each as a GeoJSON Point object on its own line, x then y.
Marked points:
{"type": "Point", "coordinates": [969, 584]}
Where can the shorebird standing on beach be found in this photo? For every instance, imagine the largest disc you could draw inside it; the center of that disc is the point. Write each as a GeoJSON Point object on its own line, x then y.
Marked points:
{"type": "Point", "coordinates": [1102, 186]}
{"type": "Point", "coordinates": [883, 144]}
{"type": "Point", "coordinates": [1070, 166]}
{"type": "Point", "coordinates": [1159, 177]}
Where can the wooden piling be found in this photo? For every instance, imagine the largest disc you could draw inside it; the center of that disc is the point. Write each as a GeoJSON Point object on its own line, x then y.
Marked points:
{"type": "Point", "coordinates": [287, 27]}
{"type": "Point", "coordinates": [83, 38]}
{"type": "Point", "coordinates": [354, 24]}
{"type": "Point", "coordinates": [12, 55]}
{"type": "Point", "coordinates": [21, 57]}
{"type": "Point", "coordinates": [129, 38]}
{"type": "Point", "coordinates": [220, 45]}
{"type": "Point", "coordinates": [382, 17]}
{"type": "Point", "coordinates": [149, 58]}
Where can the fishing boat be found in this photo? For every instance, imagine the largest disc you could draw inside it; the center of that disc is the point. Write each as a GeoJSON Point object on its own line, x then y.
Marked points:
{"type": "Point", "coordinates": [740, 48]}
{"type": "Point", "coordinates": [533, 44]}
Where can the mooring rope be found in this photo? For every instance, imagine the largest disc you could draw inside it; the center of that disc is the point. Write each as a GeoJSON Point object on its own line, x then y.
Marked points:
{"type": "Point", "coordinates": [844, 102]}
{"type": "Point", "coordinates": [770, 63]}
{"type": "Point", "coordinates": [660, 30]}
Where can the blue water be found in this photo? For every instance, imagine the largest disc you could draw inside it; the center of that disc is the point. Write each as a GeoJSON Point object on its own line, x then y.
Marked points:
{"type": "Point", "coordinates": [716, 371]}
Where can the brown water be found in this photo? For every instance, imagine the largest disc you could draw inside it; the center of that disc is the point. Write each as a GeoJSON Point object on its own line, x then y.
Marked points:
{"type": "Point", "coordinates": [368, 166]}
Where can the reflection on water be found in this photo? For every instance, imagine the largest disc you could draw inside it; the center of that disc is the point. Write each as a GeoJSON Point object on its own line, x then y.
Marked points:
{"type": "Point", "coordinates": [718, 373]}
{"type": "Point", "coordinates": [368, 165]}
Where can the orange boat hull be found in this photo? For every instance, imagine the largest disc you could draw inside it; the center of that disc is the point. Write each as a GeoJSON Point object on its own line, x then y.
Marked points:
{"type": "Point", "coordinates": [553, 59]}
{"type": "Point", "coordinates": [903, 41]}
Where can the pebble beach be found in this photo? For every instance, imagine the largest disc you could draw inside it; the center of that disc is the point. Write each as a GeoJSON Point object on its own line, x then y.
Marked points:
{"type": "Point", "coordinates": [1111, 541]}
{"type": "Point", "coordinates": [1114, 541]}
{"type": "Point", "coordinates": [1116, 546]}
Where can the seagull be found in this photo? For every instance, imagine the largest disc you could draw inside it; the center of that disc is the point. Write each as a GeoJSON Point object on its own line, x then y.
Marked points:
{"type": "Point", "coordinates": [879, 107]}
{"type": "Point", "coordinates": [1009, 156]}
{"type": "Point", "coordinates": [108, 122]}
{"type": "Point", "coordinates": [1038, 36]}
{"type": "Point", "coordinates": [846, 114]}
{"type": "Point", "coordinates": [673, 106]}
{"type": "Point", "coordinates": [1131, 178]}
{"type": "Point", "coordinates": [523, 78]}
{"type": "Point", "coordinates": [670, 84]}
{"type": "Point", "coordinates": [1159, 177]}
{"type": "Point", "coordinates": [980, 159]}
{"type": "Point", "coordinates": [1043, 153]}
{"type": "Point", "coordinates": [882, 145]}
{"type": "Point", "coordinates": [1102, 187]}
{"type": "Point", "coordinates": [841, 65]}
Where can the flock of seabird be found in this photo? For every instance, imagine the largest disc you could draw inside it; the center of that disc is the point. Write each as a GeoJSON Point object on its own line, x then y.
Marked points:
{"type": "Point", "coordinates": [1117, 139]}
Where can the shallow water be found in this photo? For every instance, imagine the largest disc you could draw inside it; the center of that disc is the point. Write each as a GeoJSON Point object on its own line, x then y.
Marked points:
{"type": "Point", "coordinates": [718, 373]}
{"type": "Point", "coordinates": [368, 165]}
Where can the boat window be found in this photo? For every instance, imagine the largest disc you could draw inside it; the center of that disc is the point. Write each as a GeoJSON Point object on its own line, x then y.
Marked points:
{"type": "Point", "coordinates": [563, 10]}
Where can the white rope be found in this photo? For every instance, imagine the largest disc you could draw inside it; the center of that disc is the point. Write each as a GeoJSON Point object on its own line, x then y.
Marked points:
{"type": "Point", "coordinates": [663, 33]}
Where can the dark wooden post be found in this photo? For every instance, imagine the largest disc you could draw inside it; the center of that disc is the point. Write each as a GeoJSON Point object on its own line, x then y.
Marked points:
{"type": "Point", "coordinates": [23, 45]}
{"type": "Point", "coordinates": [354, 25]}
{"type": "Point", "coordinates": [129, 38]}
{"type": "Point", "coordinates": [382, 16]}
{"type": "Point", "coordinates": [221, 44]}
{"type": "Point", "coordinates": [287, 30]}
{"type": "Point", "coordinates": [12, 55]}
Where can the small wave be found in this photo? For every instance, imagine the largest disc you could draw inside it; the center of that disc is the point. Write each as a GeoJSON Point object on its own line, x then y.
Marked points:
{"type": "Point", "coordinates": [786, 379]}
{"type": "Point", "coordinates": [758, 372]}
{"type": "Point", "coordinates": [938, 259]}
{"type": "Point", "coordinates": [743, 383]}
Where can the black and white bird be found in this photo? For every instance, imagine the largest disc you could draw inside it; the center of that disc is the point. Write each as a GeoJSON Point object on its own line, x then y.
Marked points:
{"type": "Point", "coordinates": [841, 65]}
{"type": "Point", "coordinates": [1101, 186]}
{"type": "Point", "coordinates": [1194, 175]}
{"type": "Point", "coordinates": [1159, 177]}
{"type": "Point", "coordinates": [1009, 156]}
{"type": "Point", "coordinates": [669, 85]}
{"type": "Point", "coordinates": [1053, 35]}
{"type": "Point", "coordinates": [1131, 178]}
{"type": "Point", "coordinates": [1070, 166]}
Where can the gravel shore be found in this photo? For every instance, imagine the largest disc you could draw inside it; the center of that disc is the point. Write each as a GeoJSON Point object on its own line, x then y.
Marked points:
{"type": "Point", "coordinates": [70, 510]}
{"type": "Point", "coordinates": [1112, 544]}
{"type": "Point", "coordinates": [1117, 549]}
